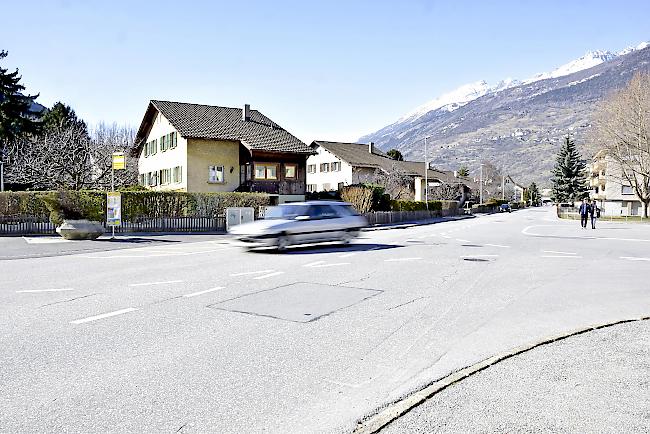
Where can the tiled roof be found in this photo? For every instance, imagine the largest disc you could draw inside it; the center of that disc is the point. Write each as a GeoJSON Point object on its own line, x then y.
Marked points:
{"type": "Point", "coordinates": [199, 121]}
{"type": "Point", "coordinates": [358, 154]}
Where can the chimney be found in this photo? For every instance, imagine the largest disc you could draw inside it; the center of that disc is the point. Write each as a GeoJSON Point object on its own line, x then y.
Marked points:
{"type": "Point", "coordinates": [246, 114]}
{"type": "Point", "coordinates": [371, 147]}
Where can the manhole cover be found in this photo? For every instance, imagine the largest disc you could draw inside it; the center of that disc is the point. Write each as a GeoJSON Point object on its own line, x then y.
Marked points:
{"type": "Point", "coordinates": [298, 302]}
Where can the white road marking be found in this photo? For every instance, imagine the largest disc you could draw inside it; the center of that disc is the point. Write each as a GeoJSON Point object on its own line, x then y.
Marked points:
{"type": "Point", "coordinates": [632, 258]}
{"type": "Point", "coordinates": [561, 256]}
{"type": "Point", "coordinates": [277, 273]}
{"type": "Point", "coordinates": [401, 259]}
{"type": "Point", "coordinates": [194, 294]}
{"type": "Point", "coordinates": [311, 264]}
{"type": "Point", "coordinates": [104, 315]}
{"type": "Point", "coordinates": [347, 255]}
{"type": "Point", "coordinates": [462, 241]}
{"type": "Point", "coordinates": [44, 290]}
{"type": "Point", "coordinates": [498, 245]}
{"type": "Point", "coordinates": [155, 283]}
{"type": "Point", "coordinates": [45, 240]}
{"type": "Point", "coordinates": [445, 236]}
{"type": "Point", "coordinates": [247, 273]}
{"type": "Point", "coordinates": [559, 253]}
{"type": "Point", "coordinates": [336, 264]}
{"type": "Point", "coordinates": [525, 231]}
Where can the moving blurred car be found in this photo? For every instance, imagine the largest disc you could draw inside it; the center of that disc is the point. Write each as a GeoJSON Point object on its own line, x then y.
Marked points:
{"type": "Point", "coordinates": [505, 207]}
{"type": "Point", "coordinates": [301, 223]}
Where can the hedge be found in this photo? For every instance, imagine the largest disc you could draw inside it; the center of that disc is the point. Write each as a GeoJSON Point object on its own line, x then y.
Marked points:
{"type": "Point", "coordinates": [150, 204]}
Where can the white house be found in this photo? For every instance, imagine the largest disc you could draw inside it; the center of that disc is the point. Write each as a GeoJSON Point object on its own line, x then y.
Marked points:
{"type": "Point", "coordinates": [616, 196]}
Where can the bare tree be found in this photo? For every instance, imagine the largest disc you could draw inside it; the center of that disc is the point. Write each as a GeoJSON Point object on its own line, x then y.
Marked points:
{"type": "Point", "coordinates": [70, 158]}
{"type": "Point", "coordinates": [446, 191]}
{"type": "Point", "coordinates": [395, 181]}
{"type": "Point", "coordinates": [622, 128]}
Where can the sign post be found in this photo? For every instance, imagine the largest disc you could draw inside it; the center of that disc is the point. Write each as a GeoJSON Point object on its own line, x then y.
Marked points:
{"type": "Point", "coordinates": [113, 199]}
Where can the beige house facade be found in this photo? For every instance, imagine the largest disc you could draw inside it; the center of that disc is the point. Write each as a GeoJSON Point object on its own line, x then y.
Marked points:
{"type": "Point", "coordinates": [200, 148]}
{"type": "Point", "coordinates": [614, 196]}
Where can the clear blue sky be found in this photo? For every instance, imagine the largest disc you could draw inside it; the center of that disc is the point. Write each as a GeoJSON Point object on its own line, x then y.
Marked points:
{"type": "Point", "coordinates": [323, 70]}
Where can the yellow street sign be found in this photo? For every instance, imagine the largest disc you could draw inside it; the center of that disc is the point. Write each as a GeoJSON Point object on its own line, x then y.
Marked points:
{"type": "Point", "coordinates": [119, 161]}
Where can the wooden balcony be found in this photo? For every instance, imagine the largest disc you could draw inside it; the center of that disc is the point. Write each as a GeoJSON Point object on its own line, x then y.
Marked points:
{"type": "Point", "coordinates": [273, 187]}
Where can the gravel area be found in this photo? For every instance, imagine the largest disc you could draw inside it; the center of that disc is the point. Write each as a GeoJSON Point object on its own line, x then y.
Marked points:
{"type": "Point", "coordinates": [597, 382]}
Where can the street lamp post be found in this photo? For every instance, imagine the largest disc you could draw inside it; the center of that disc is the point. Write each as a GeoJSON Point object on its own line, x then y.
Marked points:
{"type": "Point", "coordinates": [481, 189]}
{"type": "Point", "coordinates": [426, 175]}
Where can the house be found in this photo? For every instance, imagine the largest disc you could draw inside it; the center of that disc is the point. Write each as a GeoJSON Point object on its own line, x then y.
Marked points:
{"type": "Point", "coordinates": [203, 148]}
{"type": "Point", "coordinates": [616, 196]}
{"type": "Point", "coordinates": [337, 164]}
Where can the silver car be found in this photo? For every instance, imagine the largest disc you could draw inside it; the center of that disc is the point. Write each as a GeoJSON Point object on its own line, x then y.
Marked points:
{"type": "Point", "coordinates": [301, 223]}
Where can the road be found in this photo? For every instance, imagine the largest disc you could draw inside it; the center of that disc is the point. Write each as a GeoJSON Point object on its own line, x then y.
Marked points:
{"type": "Point", "coordinates": [202, 336]}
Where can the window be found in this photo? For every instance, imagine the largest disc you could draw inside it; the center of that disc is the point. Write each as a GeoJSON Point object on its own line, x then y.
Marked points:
{"type": "Point", "coordinates": [163, 143]}
{"type": "Point", "coordinates": [626, 189]}
{"type": "Point", "coordinates": [266, 171]}
{"type": "Point", "coordinates": [165, 176]}
{"type": "Point", "coordinates": [311, 188]}
{"type": "Point", "coordinates": [143, 179]}
{"type": "Point", "coordinates": [311, 168]}
{"type": "Point", "coordinates": [215, 174]}
{"type": "Point", "coordinates": [154, 147]}
{"type": "Point", "coordinates": [336, 166]}
{"type": "Point", "coordinates": [290, 171]}
{"type": "Point", "coordinates": [325, 167]}
{"type": "Point", "coordinates": [178, 174]}
{"type": "Point", "coordinates": [152, 178]}
{"type": "Point", "coordinates": [173, 140]}
{"type": "Point", "coordinates": [327, 187]}
{"type": "Point", "coordinates": [340, 186]}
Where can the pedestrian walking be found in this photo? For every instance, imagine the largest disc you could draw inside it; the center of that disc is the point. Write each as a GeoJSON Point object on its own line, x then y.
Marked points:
{"type": "Point", "coordinates": [594, 213]}
{"type": "Point", "coordinates": [584, 213]}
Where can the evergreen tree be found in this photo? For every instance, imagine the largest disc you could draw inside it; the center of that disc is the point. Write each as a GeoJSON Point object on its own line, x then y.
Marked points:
{"type": "Point", "coordinates": [533, 194]}
{"type": "Point", "coordinates": [62, 116]}
{"type": "Point", "coordinates": [16, 116]}
{"type": "Point", "coordinates": [463, 171]}
{"type": "Point", "coordinates": [395, 155]}
{"type": "Point", "coordinates": [569, 177]}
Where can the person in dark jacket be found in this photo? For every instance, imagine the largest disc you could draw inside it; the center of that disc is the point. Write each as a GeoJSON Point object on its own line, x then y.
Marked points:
{"type": "Point", "coordinates": [594, 213]}
{"type": "Point", "coordinates": [584, 213]}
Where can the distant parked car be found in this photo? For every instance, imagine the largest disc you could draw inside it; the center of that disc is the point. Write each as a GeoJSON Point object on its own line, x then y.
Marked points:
{"type": "Point", "coordinates": [505, 207]}
{"type": "Point", "coordinates": [301, 223]}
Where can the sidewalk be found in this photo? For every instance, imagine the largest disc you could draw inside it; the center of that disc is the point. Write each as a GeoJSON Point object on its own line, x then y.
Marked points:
{"type": "Point", "coordinates": [39, 246]}
{"type": "Point", "coordinates": [596, 382]}
{"type": "Point", "coordinates": [404, 225]}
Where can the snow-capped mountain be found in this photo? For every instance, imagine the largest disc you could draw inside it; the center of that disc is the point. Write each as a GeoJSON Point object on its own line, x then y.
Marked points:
{"type": "Point", "coordinates": [518, 125]}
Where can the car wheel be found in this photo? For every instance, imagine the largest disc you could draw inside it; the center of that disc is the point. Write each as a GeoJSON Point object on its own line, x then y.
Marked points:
{"type": "Point", "coordinates": [347, 237]}
{"type": "Point", "coordinates": [283, 242]}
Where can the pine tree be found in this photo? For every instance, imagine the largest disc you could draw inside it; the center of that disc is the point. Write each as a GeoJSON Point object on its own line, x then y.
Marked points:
{"type": "Point", "coordinates": [62, 116]}
{"type": "Point", "coordinates": [395, 155]}
{"type": "Point", "coordinates": [16, 117]}
{"type": "Point", "coordinates": [569, 177]}
{"type": "Point", "coordinates": [533, 194]}
{"type": "Point", "coordinates": [463, 171]}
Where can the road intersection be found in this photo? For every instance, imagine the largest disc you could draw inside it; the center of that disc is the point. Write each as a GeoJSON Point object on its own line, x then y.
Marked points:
{"type": "Point", "coordinates": [203, 336]}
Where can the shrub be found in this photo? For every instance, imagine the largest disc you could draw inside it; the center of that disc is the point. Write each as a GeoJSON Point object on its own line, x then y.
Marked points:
{"type": "Point", "coordinates": [409, 205]}
{"type": "Point", "coordinates": [366, 198]}
{"type": "Point", "coordinates": [75, 205]}
{"type": "Point", "coordinates": [22, 203]}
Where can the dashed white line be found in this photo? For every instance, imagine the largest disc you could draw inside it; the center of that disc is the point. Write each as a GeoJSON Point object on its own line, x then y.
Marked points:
{"type": "Point", "coordinates": [248, 273]}
{"type": "Point", "coordinates": [311, 264]}
{"type": "Point", "coordinates": [445, 236]}
{"type": "Point", "coordinates": [347, 255]}
{"type": "Point", "coordinates": [104, 315]}
{"type": "Point", "coordinates": [462, 241]}
{"type": "Point", "coordinates": [559, 253]}
{"type": "Point", "coordinates": [44, 290]}
{"type": "Point", "coordinates": [562, 256]}
{"type": "Point", "coordinates": [155, 283]}
{"type": "Point", "coordinates": [336, 264]}
{"type": "Point", "coordinates": [632, 258]}
{"type": "Point", "coordinates": [401, 259]}
{"type": "Point", "coordinates": [277, 273]}
{"type": "Point", "coordinates": [498, 245]}
{"type": "Point", "coordinates": [194, 294]}
{"type": "Point", "coordinates": [480, 256]}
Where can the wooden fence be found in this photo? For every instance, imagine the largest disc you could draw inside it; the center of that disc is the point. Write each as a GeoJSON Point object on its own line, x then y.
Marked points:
{"type": "Point", "coordinates": [387, 217]}
{"type": "Point", "coordinates": [29, 225]}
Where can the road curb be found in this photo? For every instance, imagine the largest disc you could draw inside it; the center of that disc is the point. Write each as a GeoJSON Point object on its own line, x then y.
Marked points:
{"type": "Point", "coordinates": [374, 423]}
{"type": "Point", "coordinates": [406, 225]}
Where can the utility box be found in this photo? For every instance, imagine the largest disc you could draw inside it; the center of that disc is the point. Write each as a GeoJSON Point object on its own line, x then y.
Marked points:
{"type": "Point", "coordinates": [237, 216]}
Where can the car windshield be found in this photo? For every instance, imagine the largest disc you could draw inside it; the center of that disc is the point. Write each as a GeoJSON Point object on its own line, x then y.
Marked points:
{"type": "Point", "coordinates": [284, 212]}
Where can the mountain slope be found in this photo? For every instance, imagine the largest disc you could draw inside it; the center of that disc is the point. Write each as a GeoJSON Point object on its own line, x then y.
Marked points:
{"type": "Point", "coordinates": [518, 127]}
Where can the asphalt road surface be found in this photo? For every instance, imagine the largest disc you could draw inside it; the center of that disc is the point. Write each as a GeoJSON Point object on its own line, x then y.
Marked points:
{"type": "Point", "coordinates": [203, 336]}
